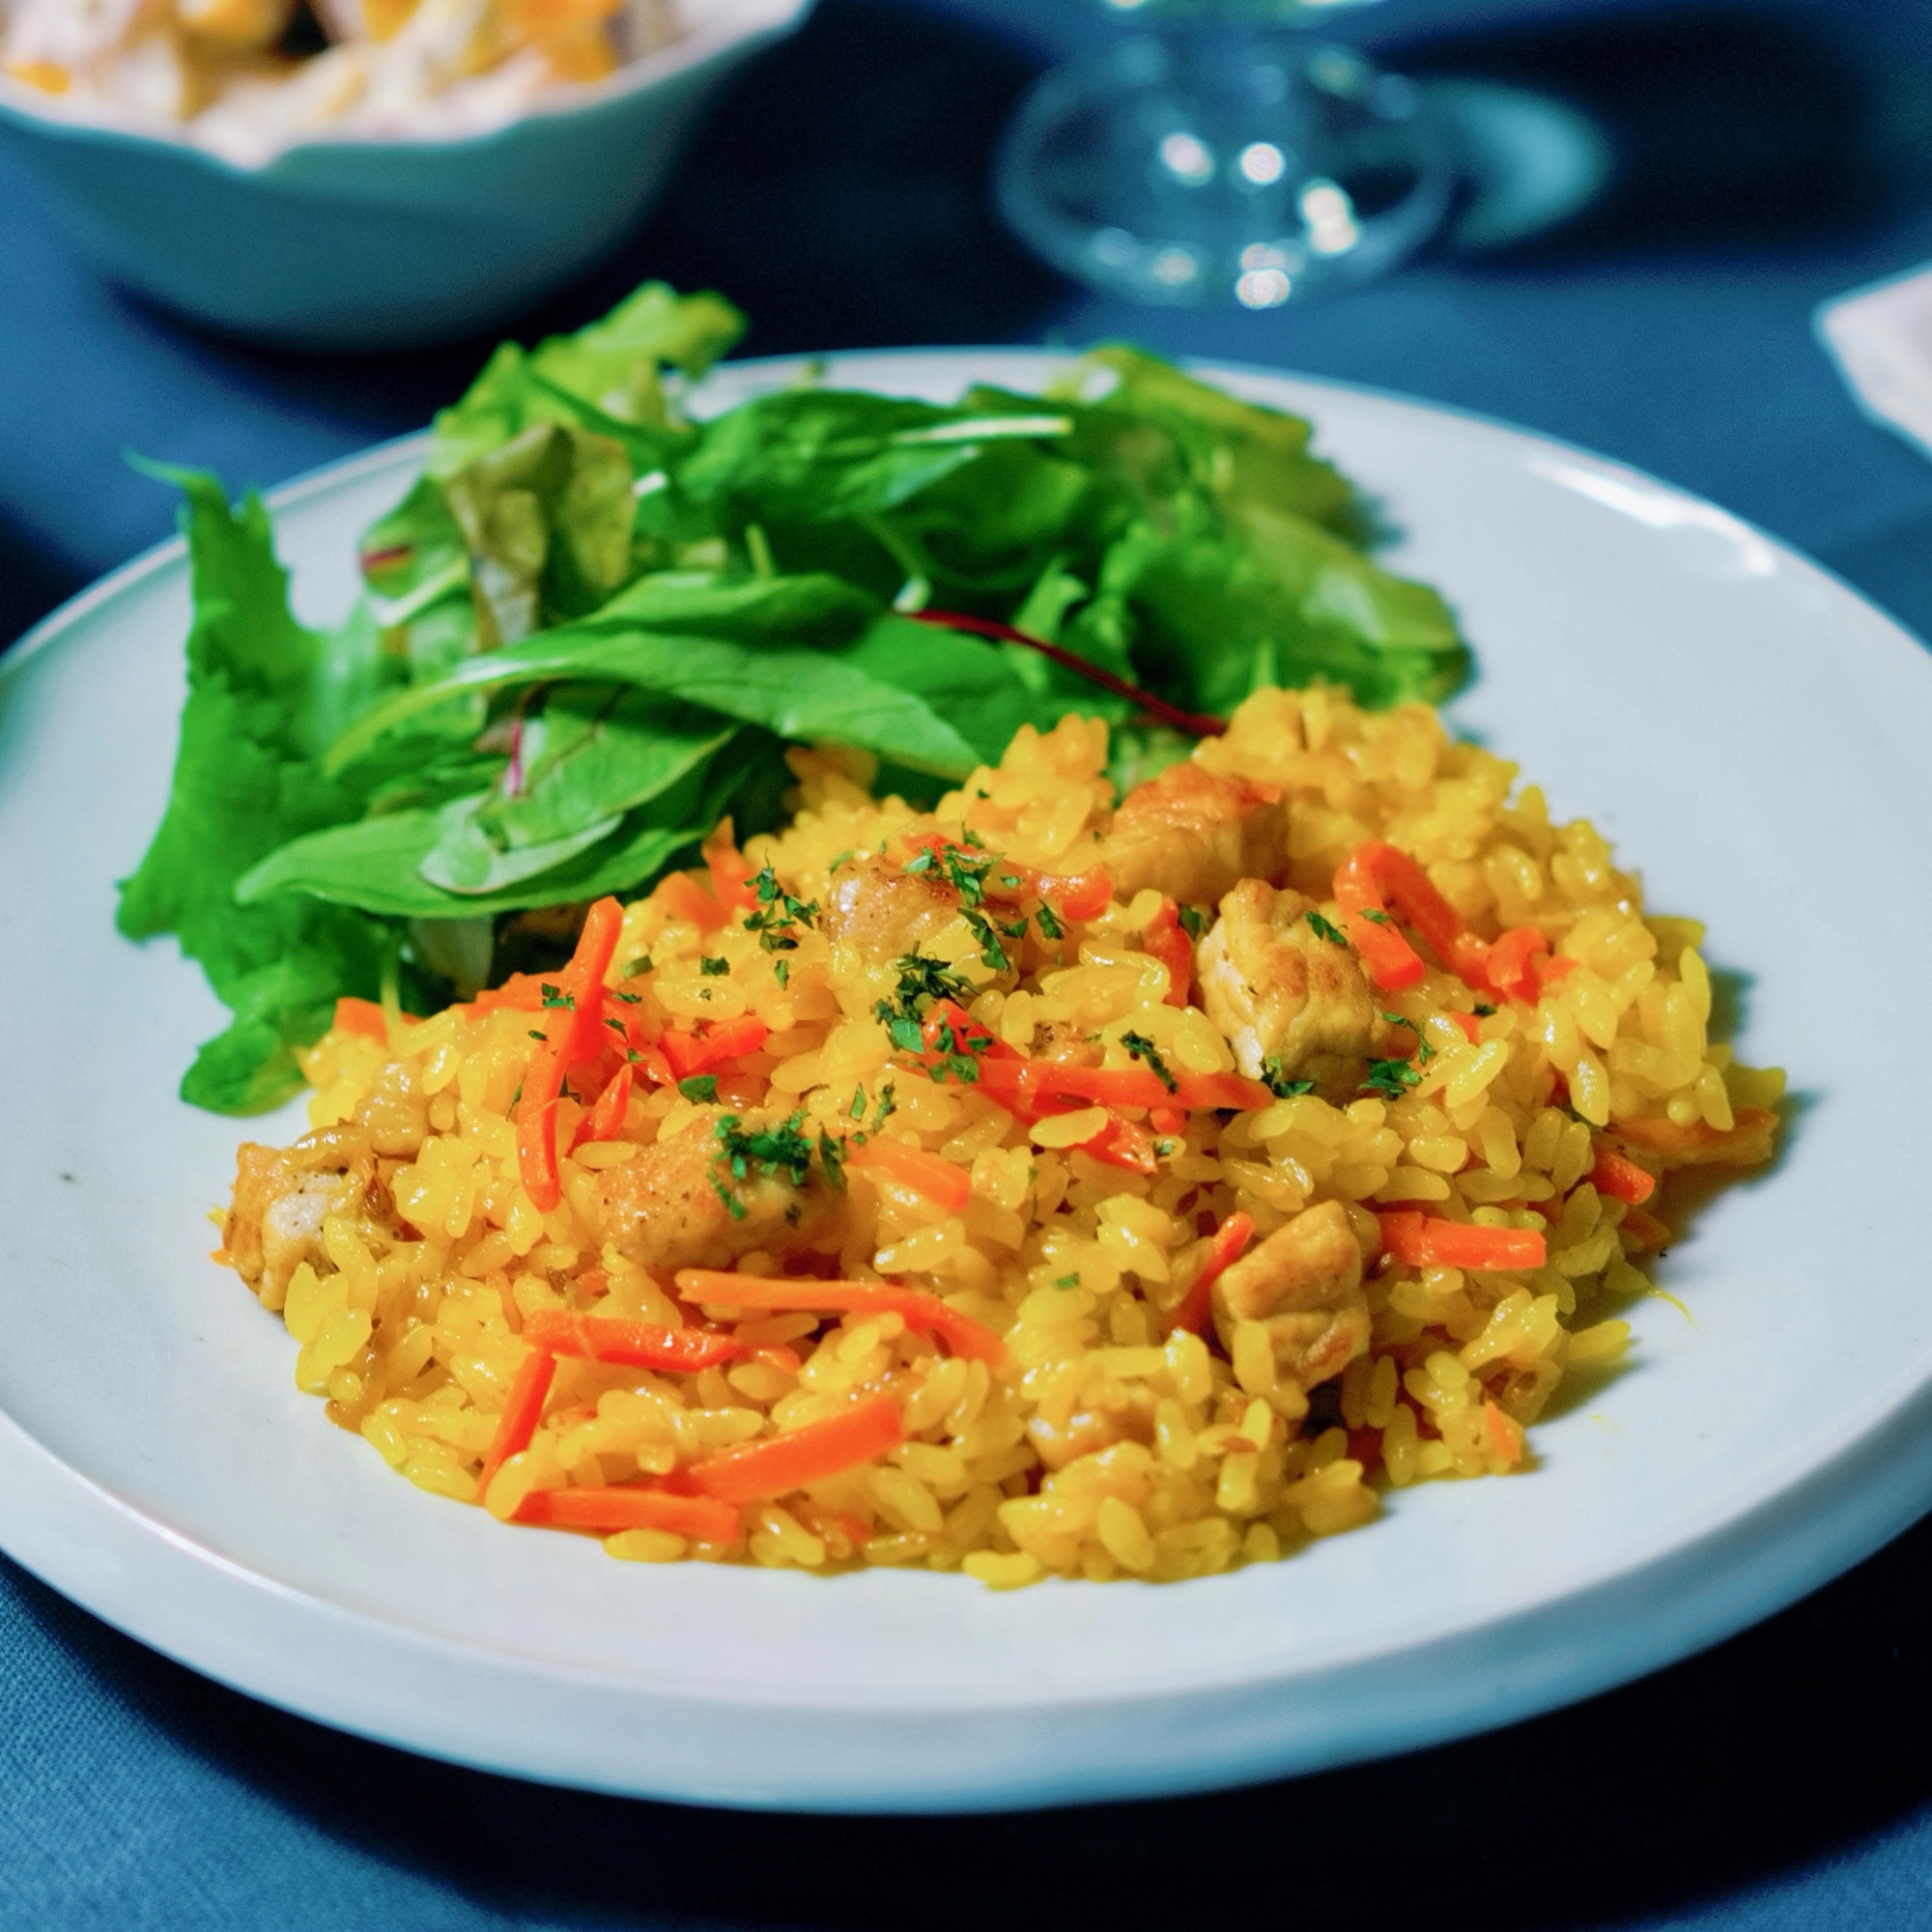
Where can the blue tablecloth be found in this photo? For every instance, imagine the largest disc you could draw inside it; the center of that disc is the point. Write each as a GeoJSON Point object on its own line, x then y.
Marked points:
{"type": "Point", "coordinates": [1784, 1780]}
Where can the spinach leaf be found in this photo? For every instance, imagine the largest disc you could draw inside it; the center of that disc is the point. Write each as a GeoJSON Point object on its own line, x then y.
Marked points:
{"type": "Point", "coordinates": [376, 864]}
{"type": "Point", "coordinates": [800, 694]}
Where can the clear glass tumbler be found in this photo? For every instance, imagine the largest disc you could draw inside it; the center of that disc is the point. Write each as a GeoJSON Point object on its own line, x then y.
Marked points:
{"type": "Point", "coordinates": [1223, 153]}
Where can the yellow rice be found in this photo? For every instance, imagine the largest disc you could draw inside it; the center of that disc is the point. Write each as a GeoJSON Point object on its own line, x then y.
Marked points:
{"type": "Point", "coordinates": [405, 1301]}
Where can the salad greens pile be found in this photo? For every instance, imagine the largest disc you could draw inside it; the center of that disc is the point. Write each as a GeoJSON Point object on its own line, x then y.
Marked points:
{"type": "Point", "coordinates": [594, 625]}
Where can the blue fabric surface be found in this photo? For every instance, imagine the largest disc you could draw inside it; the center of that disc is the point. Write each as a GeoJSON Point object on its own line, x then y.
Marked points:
{"type": "Point", "coordinates": [1784, 1780]}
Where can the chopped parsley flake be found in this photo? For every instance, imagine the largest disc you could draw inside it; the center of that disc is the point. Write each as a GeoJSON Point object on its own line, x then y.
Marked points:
{"type": "Point", "coordinates": [967, 876]}
{"type": "Point", "coordinates": [713, 969]}
{"type": "Point", "coordinates": [617, 1027]}
{"type": "Point", "coordinates": [1050, 926]}
{"type": "Point", "coordinates": [888, 1106]}
{"type": "Point", "coordinates": [991, 952]}
{"type": "Point", "coordinates": [699, 1087]}
{"type": "Point", "coordinates": [1391, 1079]}
{"type": "Point", "coordinates": [781, 973]}
{"type": "Point", "coordinates": [1279, 1085]}
{"type": "Point", "coordinates": [857, 1107]}
{"type": "Point", "coordinates": [781, 1152]}
{"type": "Point", "coordinates": [1484, 1012]}
{"type": "Point", "coordinates": [1141, 1047]}
{"type": "Point", "coordinates": [778, 915]}
{"type": "Point", "coordinates": [1325, 928]}
{"type": "Point", "coordinates": [1192, 920]}
{"type": "Point", "coordinates": [1067, 1280]}
{"type": "Point", "coordinates": [629, 999]}
{"type": "Point", "coordinates": [636, 968]}
{"type": "Point", "coordinates": [536, 1032]}
{"type": "Point", "coordinates": [555, 996]}
{"type": "Point", "coordinates": [1375, 918]}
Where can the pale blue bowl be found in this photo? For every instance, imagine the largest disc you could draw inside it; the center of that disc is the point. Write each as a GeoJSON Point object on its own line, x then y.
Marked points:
{"type": "Point", "coordinates": [347, 244]}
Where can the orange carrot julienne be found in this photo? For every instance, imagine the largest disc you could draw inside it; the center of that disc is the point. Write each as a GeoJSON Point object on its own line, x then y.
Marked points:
{"type": "Point", "coordinates": [1470, 1026]}
{"type": "Point", "coordinates": [944, 1183]}
{"type": "Point", "coordinates": [1616, 1174]}
{"type": "Point", "coordinates": [961, 1334]}
{"type": "Point", "coordinates": [363, 1017]}
{"type": "Point", "coordinates": [684, 898]}
{"type": "Point", "coordinates": [520, 992]}
{"type": "Point", "coordinates": [605, 1121]}
{"type": "Point", "coordinates": [637, 1344]}
{"type": "Point", "coordinates": [689, 1053]}
{"type": "Point", "coordinates": [1228, 1243]}
{"type": "Point", "coordinates": [523, 1410]}
{"type": "Point", "coordinates": [1079, 896]}
{"type": "Point", "coordinates": [1422, 1240]}
{"type": "Point", "coordinates": [535, 1120]}
{"type": "Point", "coordinates": [1121, 1144]}
{"type": "Point", "coordinates": [630, 1506]}
{"type": "Point", "coordinates": [731, 872]}
{"type": "Point", "coordinates": [1022, 1084]}
{"type": "Point", "coordinates": [778, 1465]}
{"type": "Point", "coordinates": [1509, 963]}
{"type": "Point", "coordinates": [580, 987]}
{"type": "Point", "coordinates": [1166, 941]}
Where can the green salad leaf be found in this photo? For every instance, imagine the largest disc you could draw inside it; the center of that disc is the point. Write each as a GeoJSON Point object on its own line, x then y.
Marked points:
{"type": "Point", "coordinates": [592, 626]}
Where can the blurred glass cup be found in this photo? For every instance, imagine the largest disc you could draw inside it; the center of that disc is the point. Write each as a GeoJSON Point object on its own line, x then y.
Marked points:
{"type": "Point", "coordinates": [1224, 154]}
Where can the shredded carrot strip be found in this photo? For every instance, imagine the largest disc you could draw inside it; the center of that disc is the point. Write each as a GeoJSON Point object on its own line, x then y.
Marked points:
{"type": "Point", "coordinates": [605, 1121]}
{"type": "Point", "coordinates": [1166, 941]}
{"type": "Point", "coordinates": [961, 1334]}
{"type": "Point", "coordinates": [520, 992]}
{"type": "Point", "coordinates": [1420, 1240]}
{"type": "Point", "coordinates": [689, 1053]}
{"type": "Point", "coordinates": [523, 1410]}
{"type": "Point", "coordinates": [630, 1506]}
{"type": "Point", "coordinates": [1617, 1173]}
{"type": "Point", "coordinates": [363, 1017]}
{"type": "Point", "coordinates": [780, 1463]}
{"type": "Point", "coordinates": [1471, 1027]}
{"type": "Point", "coordinates": [1123, 1145]}
{"type": "Point", "coordinates": [1226, 1246]}
{"type": "Point", "coordinates": [730, 873]}
{"type": "Point", "coordinates": [1021, 1083]}
{"type": "Point", "coordinates": [637, 1344]}
{"type": "Point", "coordinates": [1079, 896]}
{"type": "Point", "coordinates": [683, 898]}
{"type": "Point", "coordinates": [944, 1183]}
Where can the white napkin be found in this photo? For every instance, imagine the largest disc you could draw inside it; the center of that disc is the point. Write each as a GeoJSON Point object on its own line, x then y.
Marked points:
{"type": "Point", "coordinates": [1881, 338]}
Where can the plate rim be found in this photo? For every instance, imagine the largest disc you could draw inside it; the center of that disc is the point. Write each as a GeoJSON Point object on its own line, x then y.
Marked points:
{"type": "Point", "coordinates": [1798, 1556]}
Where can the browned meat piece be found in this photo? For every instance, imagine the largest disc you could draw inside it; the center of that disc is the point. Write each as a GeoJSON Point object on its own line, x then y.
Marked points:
{"type": "Point", "coordinates": [1195, 835]}
{"type": "Point", "coordinates": [275, 1220]}
{"type": "Point", "coordinates": [1305, 1282]}
{"type": "Point", "coordinates": [1287, 998]}
{"type": "Point", "coordinates": [884, 911]}
{"type": "Point", "coordinates": [664, 1210]}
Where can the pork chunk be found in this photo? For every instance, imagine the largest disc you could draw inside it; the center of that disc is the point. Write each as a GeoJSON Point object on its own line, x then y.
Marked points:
{"type": "Point", "coordinates": [1288, 1000]}
{"type": "Point", "coordinates": [1195, 835]}
{"type": "Point", "coordinates": [666, 1211]}
{"type": "Point", "coordinates": [1304, 1283]}
{"type": "Point", "coordinates": [885, 911]}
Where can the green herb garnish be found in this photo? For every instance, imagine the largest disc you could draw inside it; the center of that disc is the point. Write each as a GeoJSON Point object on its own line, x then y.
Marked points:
{"type": "Point", "coordinates": [1140, 1047]}
{"type": "Point", "coordinates": [1326, 928]}
{"type": "Point", "coordinates": [1390, 1078]}
{"type": "Point", "coordinates": [713, 969]}
{"type": "Point", "coordinates": [699, 1087]}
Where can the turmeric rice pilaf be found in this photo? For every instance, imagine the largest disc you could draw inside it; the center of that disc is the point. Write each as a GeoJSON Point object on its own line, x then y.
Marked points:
{"type": "Point", "coordinates": [1033, 1186]}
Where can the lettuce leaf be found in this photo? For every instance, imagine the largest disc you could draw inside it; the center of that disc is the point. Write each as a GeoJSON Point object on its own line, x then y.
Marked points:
{"type": "Point", "coordinates": [264, 696]}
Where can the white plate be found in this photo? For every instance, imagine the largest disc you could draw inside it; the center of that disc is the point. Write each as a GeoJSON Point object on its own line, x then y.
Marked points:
{"type": "Point", "coordinates": [1750, 732]}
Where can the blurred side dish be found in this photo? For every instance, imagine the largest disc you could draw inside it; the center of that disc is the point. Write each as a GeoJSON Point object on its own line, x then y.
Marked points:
{"type": "Point", "coordinates": [255, 74]}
